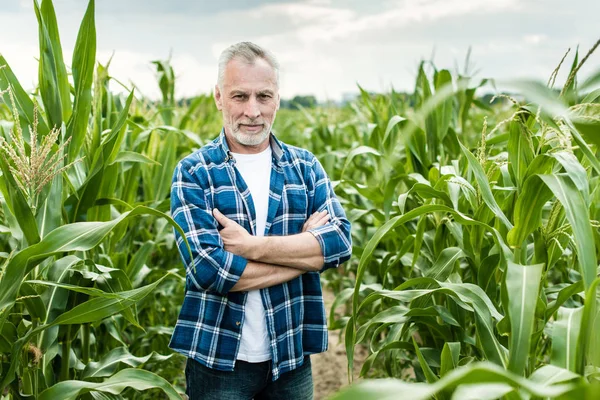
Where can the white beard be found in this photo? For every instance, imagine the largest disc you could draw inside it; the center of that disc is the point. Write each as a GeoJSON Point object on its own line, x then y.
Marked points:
{"type": "Point", "coordinates": [251, 139]}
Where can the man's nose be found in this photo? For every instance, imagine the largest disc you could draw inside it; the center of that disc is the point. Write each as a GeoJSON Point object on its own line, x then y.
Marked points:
{"type": "Point", "coordinates": [252, 109]}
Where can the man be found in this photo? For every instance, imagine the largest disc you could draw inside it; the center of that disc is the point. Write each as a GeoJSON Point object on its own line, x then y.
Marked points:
{"type": "Point", "coordinates": [253, 309]}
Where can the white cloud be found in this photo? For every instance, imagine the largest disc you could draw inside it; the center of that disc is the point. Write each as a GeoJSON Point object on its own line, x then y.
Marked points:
{"type": "Point", "coordinates": [130, 67]}
{"type": "Point", "coordinates": [21, 59]}
{"type": "Point", "coordinates": [534, 39]}
{"type": "Point", "coordinates": [193, 77]}
{"type": "Point", "coordinates": [26, 4]}
{"type": "Point", "coordinates": [324, 22]}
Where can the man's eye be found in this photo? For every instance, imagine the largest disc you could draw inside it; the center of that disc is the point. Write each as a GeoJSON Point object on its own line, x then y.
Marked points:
{"type": "Point", "coordinates": [264, 96]}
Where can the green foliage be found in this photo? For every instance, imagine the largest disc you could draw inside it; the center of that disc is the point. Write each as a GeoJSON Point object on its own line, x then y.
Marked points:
{"type": "Point", "coordinates": [91, 274]}
{"type": "Point", "coordinates": [475, 251]}
{"type": "Point", "coordinates": [491, 245]}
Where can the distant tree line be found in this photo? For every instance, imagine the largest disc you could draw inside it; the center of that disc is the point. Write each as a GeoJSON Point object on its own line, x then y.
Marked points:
{"type": "Point", "coordinates": [296, 102]}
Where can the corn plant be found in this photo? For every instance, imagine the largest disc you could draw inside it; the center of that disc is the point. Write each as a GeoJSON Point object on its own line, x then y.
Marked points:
{"type": "Point", "coordinates": [481, 280]}
{"type": "Point", "coordinates": [77, 271]}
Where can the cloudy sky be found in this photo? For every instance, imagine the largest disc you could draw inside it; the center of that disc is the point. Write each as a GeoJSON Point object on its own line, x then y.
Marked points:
{"type": "Point", "coordinates": [325, 47]}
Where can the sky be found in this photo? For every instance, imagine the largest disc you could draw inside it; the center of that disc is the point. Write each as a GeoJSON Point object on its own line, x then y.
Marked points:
{"type": "Point", "coordinates": [325, 47]}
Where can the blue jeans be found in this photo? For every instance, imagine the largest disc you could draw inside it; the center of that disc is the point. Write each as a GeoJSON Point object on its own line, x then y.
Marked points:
{"type": "Point", "coordinates": [248, 381]}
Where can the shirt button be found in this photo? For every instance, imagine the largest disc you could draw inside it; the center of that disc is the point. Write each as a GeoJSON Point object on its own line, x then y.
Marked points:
{"type": "Point", "coordinates": [237, 323]}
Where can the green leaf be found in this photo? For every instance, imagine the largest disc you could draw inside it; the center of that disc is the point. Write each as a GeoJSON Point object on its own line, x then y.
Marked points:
{"type": "Point", "coordinates": [90, 311]}
{"type": "Point", "coordinates": [139, 259]}
{"type": "Point", "coordinates": [585, 148]}
{"type": "Point", "coordinates": [443, 266]}
{"type": "Point", "coordinates": [48, 74]}
{"type": "Point", "coordinates": [23, 104]}
{"type": "Point", "coordinates": [586, 118]}
{"type": "Point", "coordinates": [137, 379]}
{"type": "Point", "coordinates": [350, 347]}
{"type": "Point", "coordinates": [157, 178]}
{"type": "Point", "coordinates": [64, 88]}
{"type": "Point", "coordinates": [49, 216]}
{"type": "Point", "coordinates": [427, 192]}
{"type": "Point", "coordinates": [429, 375]}
{"type": "Point", "coordinates": [523, 285]}
{"type": "Point", "coordinates": [80, 236]}
{"type": "Point", "coordinates": [520, 152]}
{"type": "Point", "coordinates": [575, 171]}
{"type": "Point", "coordinates": [528, 210]}
{"type": "Point", "coordinates": [84, 57]}
{"type": "Point", "coordinates": [120, 355]}
{"type": "Point", "coordinates": [563, 295]}
{"type": "Point", "coordinates": [112, 144]}
{"type": "Point", "coordinates": [401, 219]}
{"type": "Point", "coordinates": [468, 296]}
{"type": "Point", "coordinates": [395, 120]}
{"type": "Point", "coordinates": [484, 186]}
{"type": "Point", "coordinates": [588, 346]}
{"type": "Point", "coordinates": [99, 308]}
{"type": "Point", "coordinates": [18, 205]}
{"type": "Point", "coordinates": [551, 374]}
{"type": "Point", "coordinates": [450, 357]}
{"type": "Point", "coordinates": [356, 152]}
{"type": "Point", "coordinates": [90, 291]}
{"type": "Point", "coordinates": [131, 156]}
{"type": "Point", "coordinates": [8, 335]}
{"type": "Point", "coordinates": [565, 334]}
{"type": "Point", "coordinates": [476, 373]}
{"type": "Point", "coordinates": [33, 302]}
{"type": "Point", "coordinates": [483, 391]}
{"type": "Point", "coordinates": [445, 109]}
{"type": "Point", "coordinates": [394, 314]}
{"type": "Point", "coordinates": [577, 212]}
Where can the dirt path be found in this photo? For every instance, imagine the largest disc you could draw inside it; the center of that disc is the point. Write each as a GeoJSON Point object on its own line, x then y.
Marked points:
{"type": "Point", "coordinates": [330, 368]}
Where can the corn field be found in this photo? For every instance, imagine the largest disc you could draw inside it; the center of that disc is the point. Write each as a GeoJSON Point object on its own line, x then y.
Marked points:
{"type": "Point", "coordinates": [475, 224]}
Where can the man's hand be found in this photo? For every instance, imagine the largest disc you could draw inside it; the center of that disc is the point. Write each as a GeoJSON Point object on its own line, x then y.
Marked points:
{"type": "Point", "coordinates": [239, 242]}
{"type": "Point", "coordinates": [236, 239]}
{"type": "Point", "coordinates": [315, 220]}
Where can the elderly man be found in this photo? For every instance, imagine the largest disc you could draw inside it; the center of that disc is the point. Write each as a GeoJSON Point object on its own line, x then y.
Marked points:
{"type": "Point", "coordinates": [262, 222]}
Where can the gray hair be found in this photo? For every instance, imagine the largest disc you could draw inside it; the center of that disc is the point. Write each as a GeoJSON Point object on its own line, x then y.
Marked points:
{"type": "Point", "coordinates": [248, 52]}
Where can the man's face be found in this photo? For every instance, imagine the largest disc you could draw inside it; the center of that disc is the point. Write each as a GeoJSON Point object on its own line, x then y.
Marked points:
{"type": "Point", "coordinates": [248, 99]}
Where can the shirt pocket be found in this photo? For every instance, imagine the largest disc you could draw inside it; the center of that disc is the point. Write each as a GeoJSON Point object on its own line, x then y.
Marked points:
{"type": "Point", "coordinates": [294, 206]}
{"type": "Point", "coordinates": [228, 200]}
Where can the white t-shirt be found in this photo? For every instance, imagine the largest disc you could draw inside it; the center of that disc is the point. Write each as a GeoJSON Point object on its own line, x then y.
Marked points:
{"type": "Point", "coordinates": [256, 171]}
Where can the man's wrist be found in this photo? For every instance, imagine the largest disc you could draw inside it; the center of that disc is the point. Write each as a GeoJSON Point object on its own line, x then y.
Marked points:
{"type": "Point", "coordinates": [257, 247]}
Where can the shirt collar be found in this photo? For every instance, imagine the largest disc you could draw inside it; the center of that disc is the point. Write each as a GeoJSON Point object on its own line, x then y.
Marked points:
{"type": "Point", "coordinates": [276, 146]}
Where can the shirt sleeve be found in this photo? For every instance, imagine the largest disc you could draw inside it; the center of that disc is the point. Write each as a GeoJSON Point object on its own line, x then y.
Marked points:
{"type": "Point", "coordinates": [334, 237]}
{"type": "Point", "coordinates": [209, 267]}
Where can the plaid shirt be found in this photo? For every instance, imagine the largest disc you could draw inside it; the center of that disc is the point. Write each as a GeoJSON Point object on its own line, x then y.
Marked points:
{"type": "Point", "coordinates": [209, 327]}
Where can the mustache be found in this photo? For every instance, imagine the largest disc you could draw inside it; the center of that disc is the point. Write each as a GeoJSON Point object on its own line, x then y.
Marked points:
{"type": "Point", "coordinates": [250, 123]}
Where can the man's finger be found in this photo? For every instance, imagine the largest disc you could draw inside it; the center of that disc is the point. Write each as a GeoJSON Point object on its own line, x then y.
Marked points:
{"type": "Point", "coordinates": [323, 215]}
{"type": "Point", "coordinates": [315, 220]}
{"type": "Point", "coordinates": [318, 222]}
{"type": "Point", "coordinates": [223, 220]}
{"type": "Point", "coordinates": [313, 217]}
{"type": "Point", "coordinates": [322, 221]}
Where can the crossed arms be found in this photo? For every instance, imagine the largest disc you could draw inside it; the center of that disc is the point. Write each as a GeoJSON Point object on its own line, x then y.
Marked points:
{"type": "Point", "coordinates": [274, 259]}
{"type": "Point", "coordinates": [233, 260]}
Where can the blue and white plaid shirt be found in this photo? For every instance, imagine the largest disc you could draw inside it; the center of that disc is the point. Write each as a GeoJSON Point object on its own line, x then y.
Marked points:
{"type": "Point", "coordinates": [210, 322]}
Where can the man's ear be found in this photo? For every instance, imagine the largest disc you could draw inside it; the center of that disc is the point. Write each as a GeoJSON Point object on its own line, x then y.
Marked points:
{"type": "Point", "coordinates": [218, 98]}
{"type": "Point", "coordinates": [278, 101]}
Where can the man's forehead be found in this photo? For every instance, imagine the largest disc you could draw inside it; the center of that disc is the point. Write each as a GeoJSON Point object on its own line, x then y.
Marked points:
{"type": "Point", "coordinates": [258, 73]}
